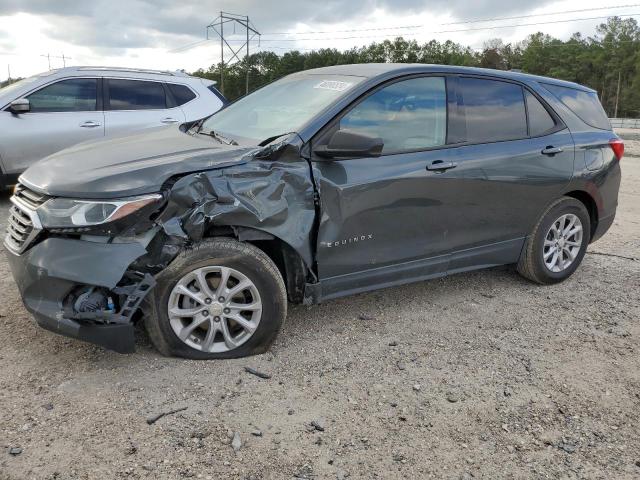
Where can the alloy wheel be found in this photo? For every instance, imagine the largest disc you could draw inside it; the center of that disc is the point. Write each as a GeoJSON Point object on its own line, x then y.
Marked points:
{"type": "Point", "coordinates": [562, 243]}
{"type": "Point", "coordinates": [214, 309]}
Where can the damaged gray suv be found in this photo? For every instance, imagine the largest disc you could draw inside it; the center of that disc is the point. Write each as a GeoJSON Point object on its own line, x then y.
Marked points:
{"type": "Point", "coordinates": [325, 183]}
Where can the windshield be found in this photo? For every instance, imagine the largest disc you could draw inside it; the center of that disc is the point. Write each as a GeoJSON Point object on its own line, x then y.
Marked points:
{"type": "Point", "coordinates": [281, 107]}
{"type": "Point", "coordinates": [24, 82]}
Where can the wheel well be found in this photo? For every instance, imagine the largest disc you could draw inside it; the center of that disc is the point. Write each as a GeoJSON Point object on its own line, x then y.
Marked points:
{"type": "Point", "coordinates": [591, 206]}
{"type": "Point", "coordinates": [289, 263]}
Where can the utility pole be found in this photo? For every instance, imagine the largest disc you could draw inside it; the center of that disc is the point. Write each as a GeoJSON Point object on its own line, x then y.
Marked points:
{"type": "Point", "coordinates": [246, 56]}
{"type": "Point", "coordinates": [63, 57]}
{"type": "Point", "coordinates": [615, 113]}
{"type": "Point", "coordinates": [218, 27]}
{"type": "Point", "coordinates": [221, 53]}
{"type": "Point", "coordinates": [9, 72]}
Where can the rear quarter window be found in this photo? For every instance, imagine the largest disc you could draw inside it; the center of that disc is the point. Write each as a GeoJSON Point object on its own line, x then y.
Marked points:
{"type": "Point", "coordinates": [584, 104]}
{"type": "Point", "coordinates": [217, 93]}
{"type": "Point", "coordinates": [181, 93]}
{"type": "Point", "coordinates": [540, 122]}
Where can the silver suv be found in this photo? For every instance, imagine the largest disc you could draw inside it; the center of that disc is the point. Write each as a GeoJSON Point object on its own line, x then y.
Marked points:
{"type": "Point", "coordinates": [43, 114]}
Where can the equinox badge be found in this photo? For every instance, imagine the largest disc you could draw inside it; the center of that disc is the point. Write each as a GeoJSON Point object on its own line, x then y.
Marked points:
{"type": "Point", "coordinates": [348, 241]}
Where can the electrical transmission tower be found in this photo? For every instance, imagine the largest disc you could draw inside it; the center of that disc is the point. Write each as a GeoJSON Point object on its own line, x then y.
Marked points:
{"type": "Point", "coordinates": [246, 27]}
{"type": "Point", "coordinates": [49, 57]}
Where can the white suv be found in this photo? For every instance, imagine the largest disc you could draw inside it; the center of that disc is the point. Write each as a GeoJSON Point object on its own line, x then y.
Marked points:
{"type": "Point", "coordinates": [43, 114]}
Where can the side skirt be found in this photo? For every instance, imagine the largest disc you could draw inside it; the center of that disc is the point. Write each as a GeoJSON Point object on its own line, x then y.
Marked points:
{"type": "Point", "coordinates": [501, 253]}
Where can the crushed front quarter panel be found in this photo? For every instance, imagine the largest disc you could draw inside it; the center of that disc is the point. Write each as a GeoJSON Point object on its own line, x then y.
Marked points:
{"type": "Point", "coordinates": [273, 194]}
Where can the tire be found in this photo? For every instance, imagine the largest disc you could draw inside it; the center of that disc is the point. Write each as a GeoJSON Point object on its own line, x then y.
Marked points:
{"type": "Point", "coordinates": [240, 260]}
{"type": "Point", "coordinates": [532, 263]}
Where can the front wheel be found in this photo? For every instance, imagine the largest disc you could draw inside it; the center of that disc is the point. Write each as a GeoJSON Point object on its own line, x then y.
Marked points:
{"type": "Point", "coordinates": [557, 244]}
{"type": "Point", "coordinates": [220, 299]}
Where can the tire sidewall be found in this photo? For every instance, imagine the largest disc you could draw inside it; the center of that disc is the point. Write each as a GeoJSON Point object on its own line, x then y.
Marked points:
{"type": "Point", "coordinates": [273, 302]}
{"type": "Point", "coordinates": [566, 206]}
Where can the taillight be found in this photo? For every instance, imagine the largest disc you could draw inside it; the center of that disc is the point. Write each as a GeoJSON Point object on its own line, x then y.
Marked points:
{"type": "Point", "coordinates": [617, 145]}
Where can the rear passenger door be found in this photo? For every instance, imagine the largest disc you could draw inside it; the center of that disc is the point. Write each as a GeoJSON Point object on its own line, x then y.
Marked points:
{"type": "Point", "coordinates": [137, 104]}
{"type": "Point", "coordinates": [514, 157]}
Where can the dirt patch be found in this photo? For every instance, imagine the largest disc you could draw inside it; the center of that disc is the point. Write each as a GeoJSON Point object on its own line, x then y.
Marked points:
{"type": "Point", "coordinates": [479, 375]}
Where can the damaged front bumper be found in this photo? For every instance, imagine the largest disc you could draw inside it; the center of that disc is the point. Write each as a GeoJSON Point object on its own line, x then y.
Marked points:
{"type": "Point", "coordinates": [50, 271]}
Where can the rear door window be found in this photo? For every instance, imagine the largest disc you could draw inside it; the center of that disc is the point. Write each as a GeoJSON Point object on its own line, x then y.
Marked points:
{"type": "Point", "coordinates": [494, 110]}
{"type": "Point", "coordinates": [584, 104]}
{"type": "Point", "coordinates": [407, 115]}
{"type": "Point", "coordinates": [136, 95]}
{"type": "Point", "coordinates": [540, 121]}
{"type": "Point", "coordinates": [73, 95]}
{"type": "Point", "coordinates": [181, 93]}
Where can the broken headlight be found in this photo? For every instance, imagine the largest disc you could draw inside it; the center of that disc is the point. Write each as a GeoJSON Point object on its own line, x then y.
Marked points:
{"type": "Point", "coordinates": [72, 213]}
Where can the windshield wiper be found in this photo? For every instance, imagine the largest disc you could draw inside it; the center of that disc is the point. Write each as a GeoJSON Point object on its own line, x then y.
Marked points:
{"type": "Point", "coordinates": [267, 141]}
{"type": "Point", "coordinates": [221, 138]}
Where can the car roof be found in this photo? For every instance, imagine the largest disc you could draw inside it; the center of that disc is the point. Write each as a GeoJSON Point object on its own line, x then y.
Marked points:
{"type": "Point", "coordinates": [103, 69]}
{"type": "Point", "coordinates": [373, 70]}
{"type": "Point", "coordinates": [140, 73]}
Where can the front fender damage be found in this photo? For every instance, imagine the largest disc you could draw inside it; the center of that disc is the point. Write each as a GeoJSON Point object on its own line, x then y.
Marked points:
{"type": "Point", "coordinates": [98, 286]}
{"type": "Point", "coordinates": [271, 193]}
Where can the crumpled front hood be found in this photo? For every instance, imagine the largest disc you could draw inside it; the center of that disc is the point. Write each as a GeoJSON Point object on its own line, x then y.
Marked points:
{"type": "Point", "coordinates": [130, 165]}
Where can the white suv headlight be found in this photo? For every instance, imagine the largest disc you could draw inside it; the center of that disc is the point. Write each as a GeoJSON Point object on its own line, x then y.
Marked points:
{"type": "Point", "coordinates": [70, 213]}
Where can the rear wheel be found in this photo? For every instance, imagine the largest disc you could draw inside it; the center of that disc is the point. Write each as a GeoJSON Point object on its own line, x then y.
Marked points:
{"type": "Point", "coordinates": [220, 299]}
{"type": "Point", "coordinates": [556, 246]}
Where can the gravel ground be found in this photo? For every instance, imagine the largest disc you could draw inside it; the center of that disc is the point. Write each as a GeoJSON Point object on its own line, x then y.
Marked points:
{"type": "Point", "coordinates": [479, 375]}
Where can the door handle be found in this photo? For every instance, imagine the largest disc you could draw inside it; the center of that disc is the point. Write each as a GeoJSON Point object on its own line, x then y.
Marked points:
{"type": "Point", "coordinates": [169, 120]}
{"type": "Point", "coordinates": [89, 124]}
{"type": "Point", "coordinates": [551, 150]}
{"type": "Point", "coordinates": [441, 165]}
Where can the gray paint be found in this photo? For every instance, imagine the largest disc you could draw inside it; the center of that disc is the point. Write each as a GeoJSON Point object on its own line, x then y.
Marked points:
{"type": "Point", "coordinates": [101, 264]}
{"type": "Point", "coordinates": [356, 224]}
{"type": "Point", "coordinates": [129, 165]}
{"type": "Point", "coordinates": [273, 196]}
{"type": "Point", "coordinates": [46, 273]}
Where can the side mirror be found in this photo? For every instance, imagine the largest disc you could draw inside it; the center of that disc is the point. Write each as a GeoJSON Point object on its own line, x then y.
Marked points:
{"type": "Point", "coordinates": [20, 105]}
{"type": "Point", "coordinates": [347, 143]}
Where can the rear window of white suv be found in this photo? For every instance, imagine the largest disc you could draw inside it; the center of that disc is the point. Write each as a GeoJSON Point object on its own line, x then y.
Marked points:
{"type": "Point", "coordinates": [584, 104]}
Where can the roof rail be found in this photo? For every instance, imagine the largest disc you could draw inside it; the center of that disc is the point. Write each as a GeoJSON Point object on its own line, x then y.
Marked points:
{"type": "Point", "coordinates": [177, 73]}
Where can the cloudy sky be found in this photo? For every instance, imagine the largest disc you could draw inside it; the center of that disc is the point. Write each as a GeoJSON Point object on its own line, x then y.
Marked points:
{"type": "Point", "coordinates": [170, 34]}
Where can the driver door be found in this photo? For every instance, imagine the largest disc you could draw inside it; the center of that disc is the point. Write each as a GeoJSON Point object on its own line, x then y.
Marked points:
{"type": "Point", "coordinates": [383, 219]}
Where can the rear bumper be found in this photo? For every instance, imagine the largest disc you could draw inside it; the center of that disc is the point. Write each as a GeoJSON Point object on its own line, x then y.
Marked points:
{"type": "Point", "coordinates": [603, 226]}
{"type": "Point", "coordinates": [49, 271]}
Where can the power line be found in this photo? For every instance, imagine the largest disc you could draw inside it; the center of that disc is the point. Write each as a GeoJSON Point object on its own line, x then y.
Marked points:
{"type": "Point", "coordinates": [410, 27]}
{"type": "Point", "coordinates": [463, 47]}
{"type": "Point", "coordinates": [232, 19]}
{"type": "Point", "coordinates": [542, 14]}
{"type": "Point", "coordinates": [63, 57]}
{"type": "Point", "coordinates": [461, 22]}
{"type": "Point", "coordinates": [494, 27]}
{"type": "Point", "coordinates": [188, 46]}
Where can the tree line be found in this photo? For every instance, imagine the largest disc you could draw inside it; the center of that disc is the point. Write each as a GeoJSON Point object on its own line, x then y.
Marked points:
{"type": "Point", "coordinates": [608, 62]}
{"type": "Point", "coordinates": [9, 81]}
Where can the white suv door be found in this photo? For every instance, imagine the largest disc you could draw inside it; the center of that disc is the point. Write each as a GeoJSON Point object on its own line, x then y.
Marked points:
{"type": "Point", "coordinates": [132, 104]}
{"type": "Point", "coordinates": [61, 114]}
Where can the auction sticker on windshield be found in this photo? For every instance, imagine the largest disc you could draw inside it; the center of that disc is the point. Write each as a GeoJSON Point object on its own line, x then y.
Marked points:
{"type": "Point", "coordinates": [335, 85]}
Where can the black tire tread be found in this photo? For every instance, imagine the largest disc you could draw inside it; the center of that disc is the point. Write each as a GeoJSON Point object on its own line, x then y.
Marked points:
{"type": "Point", "coordinates": [209, 245]}
{"type": "Point", "coordinates": [526, 262]}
